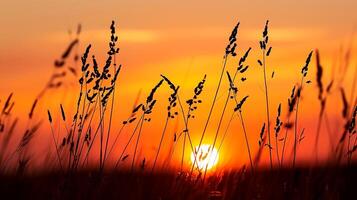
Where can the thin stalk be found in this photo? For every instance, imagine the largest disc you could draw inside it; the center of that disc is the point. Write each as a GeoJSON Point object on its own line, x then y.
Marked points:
{"type": "Point", "coordinates": [296, 121]}
{"type": "Point", "coordinates": [348, 150]}
{"type": "Point", "coordinates": [246, 140]}
{"type": "Point", "coordinates": [225, 133]}
{"type": "Point", "coordinates": [137, 142]}
{"type": "Point", "coordinates": [101, 110]}
{"type": "Point", "coordinates": [277, 150]}
{"type": "Point", "coordinates": [355, 142]}
{"type": "Point", "coordinates": [183, 151]}
{"type": "Point", "coordinates": [115, 141]}
{"type": "Point", "coordinates": [331, 139]}
{"type": "Point", "coordinates": [110, 117]}
{"type": "Point", "coordinates": [267, 109]}
{"type": "Point", "coordinates": [186, 132]}
{"type": "Point", "coordinates": [285, 138]}
{"type": "Point", "coordinates": [190, 140]}
{"type": "Point", "coordinates": [162, 138]}
{"type": "Point", "coordinates": [109, 127]}
{"type": "Point", "coordinates": [317, 136]}
{"type": "Point", "coordinates": [57, 152]}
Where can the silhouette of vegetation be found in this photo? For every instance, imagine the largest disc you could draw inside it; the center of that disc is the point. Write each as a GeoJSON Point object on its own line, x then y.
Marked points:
{"type": "Point", "coordinates": [74, 172]}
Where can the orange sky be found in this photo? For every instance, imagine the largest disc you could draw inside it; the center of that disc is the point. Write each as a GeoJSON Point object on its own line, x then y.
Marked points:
{"type": "Point", "coordinates": [183, 40]}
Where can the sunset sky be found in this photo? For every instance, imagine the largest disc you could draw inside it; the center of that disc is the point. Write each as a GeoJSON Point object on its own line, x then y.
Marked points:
{"type": "Point", "coordinates": [183, 40]}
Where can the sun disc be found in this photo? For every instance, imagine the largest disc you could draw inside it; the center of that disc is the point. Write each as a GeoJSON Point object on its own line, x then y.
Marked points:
{"type": "Point", "coordinates": [207, 157]}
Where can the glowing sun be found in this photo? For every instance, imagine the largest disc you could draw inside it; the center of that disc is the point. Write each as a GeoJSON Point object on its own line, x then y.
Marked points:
{"type": "Point", "coordinates": [207, 156]}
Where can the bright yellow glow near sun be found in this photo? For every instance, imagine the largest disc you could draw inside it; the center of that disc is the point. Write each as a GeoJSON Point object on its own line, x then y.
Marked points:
{"type": "Point", "coordinates": [206, 157]}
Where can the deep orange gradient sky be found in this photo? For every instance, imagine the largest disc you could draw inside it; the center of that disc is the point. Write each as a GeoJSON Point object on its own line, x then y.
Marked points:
{"type": "Point", "coordinates": [183, 40]}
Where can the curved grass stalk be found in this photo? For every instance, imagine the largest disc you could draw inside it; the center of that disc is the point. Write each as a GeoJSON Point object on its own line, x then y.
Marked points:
{"type": "Point", "coordinates": [137, 142]}
{"type": "Point", "coordinates": [127, 144]}
{"type": "Point", "coordinates": [284, 143]}
{"type": "Point", "coordinates": [267, 109]}
{"type": "Point", "coordinates": [115, 141]}
{"type": "Point", "coordinates": [246, 140]}
{"type": "Point", "coordinates": [161, 139]}
{"type": "Point", "coordinates": [186, 131]}
{"type": "Point", "coordinates": [296, 120]}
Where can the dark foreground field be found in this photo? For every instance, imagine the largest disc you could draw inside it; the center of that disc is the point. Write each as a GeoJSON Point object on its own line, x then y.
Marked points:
{"type": "Point", "coordinates": [302, 183]}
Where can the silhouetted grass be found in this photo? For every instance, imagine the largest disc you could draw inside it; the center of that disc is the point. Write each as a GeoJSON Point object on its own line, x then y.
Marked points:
{"type": "Point", "coordinates": [71, 176]}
